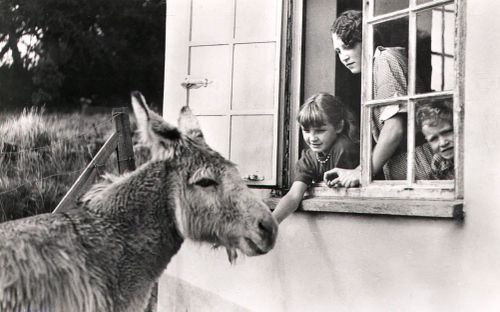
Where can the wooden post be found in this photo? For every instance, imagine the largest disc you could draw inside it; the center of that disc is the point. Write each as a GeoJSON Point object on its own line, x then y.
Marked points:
{"type": "Point", "coordinates": [86, 178]}
{"type": "Point", "coordinates": [126, 162]}
{"type": "Point", "coordinates": [125, 148]}
{"type": "Point", "coordinates": [121, 140]}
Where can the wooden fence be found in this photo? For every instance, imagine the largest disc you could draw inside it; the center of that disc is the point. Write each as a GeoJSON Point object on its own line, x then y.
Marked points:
{"type": "Point", "coordinates": [121, 142]}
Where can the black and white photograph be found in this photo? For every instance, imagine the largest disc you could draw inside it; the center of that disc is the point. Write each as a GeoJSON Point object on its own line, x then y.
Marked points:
{"type": "Point", "coordinates": [249, 155]}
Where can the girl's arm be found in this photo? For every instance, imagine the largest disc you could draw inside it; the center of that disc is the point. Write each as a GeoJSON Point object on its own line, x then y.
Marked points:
{"type": "Point", "coordinates": [290, 202]}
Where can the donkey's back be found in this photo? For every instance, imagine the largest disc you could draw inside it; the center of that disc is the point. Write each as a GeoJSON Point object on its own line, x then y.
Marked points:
{"type": "Point", "coordinates": [45, 267]}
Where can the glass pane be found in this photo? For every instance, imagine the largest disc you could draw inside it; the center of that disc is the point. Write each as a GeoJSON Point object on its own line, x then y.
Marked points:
{"type": "Point", "coordinates": [254, 76]}
{"type": "Point", "coordinates": [434, 156]}
{"type": "Point", "coordinates": [256, 20]}
{"type": "Point", "coordinates": [390, 61]}
{"type": "Point", "coordinates": [387, 6]}
{"type": "Point", "coordinates": [435, 49]}
{"type": "Point", "coordinates": [214, 64]}
{"type": "Point", "coordinates": [216, 132]}
{"type": "Point", "coordinates": [216, 13]}
{"type": "Point", "coordinates": [252, 145]}
{"type": "Point", "coordinates": [395, 167]}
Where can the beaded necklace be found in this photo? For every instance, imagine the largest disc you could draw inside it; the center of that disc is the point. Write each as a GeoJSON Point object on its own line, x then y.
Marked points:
{"type": "Point", "coordinates": [322, 161]}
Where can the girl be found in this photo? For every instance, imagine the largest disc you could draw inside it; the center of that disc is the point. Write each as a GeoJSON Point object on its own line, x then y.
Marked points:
{"type": "Point", "coordinates": [390, 69]}
{"type": "Point", "coordinates": [332, 135]}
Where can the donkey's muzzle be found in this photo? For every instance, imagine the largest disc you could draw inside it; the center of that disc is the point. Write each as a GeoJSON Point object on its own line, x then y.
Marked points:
{"type": "Point", "coordinates": [268, 229]}
{"type": "Point", "coordinates": [264, 236]}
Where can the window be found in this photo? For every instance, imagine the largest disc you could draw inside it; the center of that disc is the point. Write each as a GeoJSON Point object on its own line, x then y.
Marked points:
{"type": "Point", "coordinates": [430, 34]}
{"type": "Point", "coordinates": [249, 73]}
{"type": "Point", "coordinates": [223, 59]}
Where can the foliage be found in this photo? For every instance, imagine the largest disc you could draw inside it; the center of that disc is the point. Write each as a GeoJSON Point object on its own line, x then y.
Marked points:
{"type": "Point", "coordinates": [93, 49]}
{"type": "Point", "coordinates": [41, 155]}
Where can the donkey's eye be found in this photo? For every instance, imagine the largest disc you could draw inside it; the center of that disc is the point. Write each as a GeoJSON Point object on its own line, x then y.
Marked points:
{"type": "Point", "coordinates": [206, 182]}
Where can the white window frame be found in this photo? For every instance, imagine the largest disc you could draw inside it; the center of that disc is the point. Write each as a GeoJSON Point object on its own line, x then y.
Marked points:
{"type": "Point", "coordinates": [414, 198]}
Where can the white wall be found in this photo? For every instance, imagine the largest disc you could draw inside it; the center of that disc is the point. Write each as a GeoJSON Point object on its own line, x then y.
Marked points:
{"type": "Point", "coordinates": [327, 262]}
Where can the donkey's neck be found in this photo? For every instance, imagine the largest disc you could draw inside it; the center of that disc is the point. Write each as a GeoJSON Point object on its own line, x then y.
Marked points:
{"type": "Point", "coordinates": [141, 207]}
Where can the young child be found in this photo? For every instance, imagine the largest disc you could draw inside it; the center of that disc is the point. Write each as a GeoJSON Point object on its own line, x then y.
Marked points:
{"type": "Point", "coordinates": [332, 135]}
{"type": "Point", "coordinates": [436, 122]}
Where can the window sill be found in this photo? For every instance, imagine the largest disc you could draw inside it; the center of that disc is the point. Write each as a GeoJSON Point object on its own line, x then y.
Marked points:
{"type": "Point", "coordinates": [381, 206]}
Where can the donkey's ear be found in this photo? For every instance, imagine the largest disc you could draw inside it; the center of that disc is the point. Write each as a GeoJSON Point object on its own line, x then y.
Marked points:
{"type": "Point", "coordinates": [152, 127]}
{"type": "Point", "coordinates": [189, 125]}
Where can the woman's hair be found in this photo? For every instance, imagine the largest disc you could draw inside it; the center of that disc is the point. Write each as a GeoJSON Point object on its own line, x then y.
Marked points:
{"type": "Point", "coordinates": [348, 26]}
{"type": "Point", "coordinates": [323, 108]}
{"type": "Point", "coordinates": [433, 113]}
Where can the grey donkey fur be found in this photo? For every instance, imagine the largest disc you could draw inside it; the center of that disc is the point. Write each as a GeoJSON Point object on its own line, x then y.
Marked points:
{"type": "Point", "coordinates": [107, 252]}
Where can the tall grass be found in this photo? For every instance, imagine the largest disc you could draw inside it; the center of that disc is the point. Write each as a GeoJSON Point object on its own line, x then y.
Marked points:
{"type": "Point", "coordinates": [41, 155]}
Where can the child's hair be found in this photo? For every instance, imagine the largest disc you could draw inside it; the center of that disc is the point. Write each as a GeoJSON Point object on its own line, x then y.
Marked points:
{"type": "Point", "coordinates": [323, 108]}
{"type": "Point", "coordinates": [434, 112]}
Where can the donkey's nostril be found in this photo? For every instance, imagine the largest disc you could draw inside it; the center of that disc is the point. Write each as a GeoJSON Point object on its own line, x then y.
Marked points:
{"type": "Point", "coordinates": [267, 226]}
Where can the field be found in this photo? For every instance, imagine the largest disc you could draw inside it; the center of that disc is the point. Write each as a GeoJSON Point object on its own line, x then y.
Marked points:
{"type": "Point", "coordinates": [42, 154]}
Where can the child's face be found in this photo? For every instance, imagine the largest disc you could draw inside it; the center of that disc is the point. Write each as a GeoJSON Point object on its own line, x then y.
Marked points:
{"type": "Point", "coordinates": [320, 139]}
{"type": "Point", "coordinates": [349, 56]}
{"type": "Point", "coordinates": [440, 138]}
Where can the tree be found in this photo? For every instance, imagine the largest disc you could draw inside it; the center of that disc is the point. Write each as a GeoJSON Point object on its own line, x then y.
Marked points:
{"type": "Point", "coordinates": [99, 49]}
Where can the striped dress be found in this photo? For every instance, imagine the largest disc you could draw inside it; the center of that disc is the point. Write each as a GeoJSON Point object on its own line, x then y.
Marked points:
{"type": "Point", "coordinates": [390, 72]}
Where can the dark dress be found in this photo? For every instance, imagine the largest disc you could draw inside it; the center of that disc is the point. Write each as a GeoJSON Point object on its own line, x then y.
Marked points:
{"type": "Point", "coordinates": [343, 154]}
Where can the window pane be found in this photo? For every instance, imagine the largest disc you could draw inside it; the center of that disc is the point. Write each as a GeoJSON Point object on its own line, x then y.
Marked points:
{"type": "Point", "coordinates": [255, 20]}
{"type": "Point", "coordinates": [253, 77]}
{"type": "Point", "coordinates": [252, 145]}
{"type": "Point", "coordinates": [395, 168]}
{"type": "Point", "coordinates": [435, 49]}
{"type": "Point", "coordinates": [213, 63]}
{"type": "Point", "coordinates": [387, 6]}
{"type": "Point", "coordinates": [216, 13]}
{"type": "Point", "coordinates": [390, 62]}
{"type": "Point", "coordinates": [435, 155]}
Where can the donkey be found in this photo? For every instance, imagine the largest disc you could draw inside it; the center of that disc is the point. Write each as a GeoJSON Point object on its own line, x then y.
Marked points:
{"type": "Point", "coordinates": [106, 253]}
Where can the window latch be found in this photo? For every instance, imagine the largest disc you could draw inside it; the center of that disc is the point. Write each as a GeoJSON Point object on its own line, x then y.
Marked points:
{"type": "Point", "coordinates": [254, 178]}
{"type": "Point", "coordinates": [195, 83]}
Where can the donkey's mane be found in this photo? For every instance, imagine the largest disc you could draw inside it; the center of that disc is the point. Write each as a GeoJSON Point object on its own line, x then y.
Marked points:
{"type": "Point", "coordinates": [108, 179]}
{"type": "Point", "coordinates": [98, 189]}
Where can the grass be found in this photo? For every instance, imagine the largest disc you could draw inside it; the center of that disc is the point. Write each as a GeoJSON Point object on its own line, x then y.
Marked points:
{"type": "Point", "coordinates": [41, 155]}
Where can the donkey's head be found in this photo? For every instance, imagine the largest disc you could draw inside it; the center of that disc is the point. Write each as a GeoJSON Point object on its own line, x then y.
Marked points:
{"type": "Point", "coordinates": [213, 204]}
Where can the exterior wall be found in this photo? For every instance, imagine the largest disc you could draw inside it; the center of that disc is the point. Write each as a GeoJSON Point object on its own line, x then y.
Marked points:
{"type": "Point", "coordinates": [341, 262]}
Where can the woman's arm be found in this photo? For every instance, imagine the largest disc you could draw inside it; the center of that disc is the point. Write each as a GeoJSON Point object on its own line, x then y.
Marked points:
{"type": "Point", "coordinates": [390, 137]}
{"type": "Point", "coordinates": [290, 202]}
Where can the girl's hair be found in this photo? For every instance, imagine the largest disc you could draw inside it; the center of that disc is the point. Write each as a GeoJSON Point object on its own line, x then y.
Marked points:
{"type": "Point", "coordinates": [434, 112]}
{"type": "Point", "coordinates": [348, 26]}
{"type": "Point", "coordinates": [323, 108]}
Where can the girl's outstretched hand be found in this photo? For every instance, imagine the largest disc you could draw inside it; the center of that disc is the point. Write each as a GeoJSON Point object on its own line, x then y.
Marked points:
{"type": "Point", "coordinates": [342, 177]}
